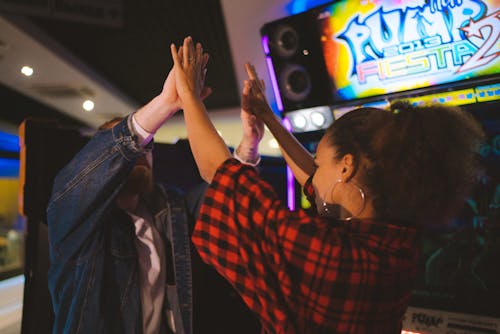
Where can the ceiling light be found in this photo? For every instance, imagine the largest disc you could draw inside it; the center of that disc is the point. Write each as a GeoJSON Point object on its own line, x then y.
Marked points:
{"type": "Point", "coordinates": [88, 105]}
{"type": "Point", "coordinates": [27, 71]}
{"type": "Point", "coordinates": [318, 119]}
{"type": "Point", "coordinates": [299, 121]}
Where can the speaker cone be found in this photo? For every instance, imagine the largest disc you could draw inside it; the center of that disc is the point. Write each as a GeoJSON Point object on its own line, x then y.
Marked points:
{"type": "Point", "coordinates": [285, 41]}
{"type": "Point", "coordinates": [295, 82]}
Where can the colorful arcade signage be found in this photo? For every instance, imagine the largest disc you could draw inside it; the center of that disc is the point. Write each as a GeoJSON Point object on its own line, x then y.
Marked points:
{"type": "Point", "coordinates": [385, 46]}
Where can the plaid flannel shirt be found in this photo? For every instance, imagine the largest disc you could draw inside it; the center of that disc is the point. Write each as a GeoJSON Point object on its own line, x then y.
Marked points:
{"type": "Point", "coordinates": [301, 273]}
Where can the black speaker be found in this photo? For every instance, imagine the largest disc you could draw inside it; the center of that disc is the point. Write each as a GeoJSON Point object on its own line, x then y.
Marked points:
{"type": "Point", "coordinates": [293, 45]}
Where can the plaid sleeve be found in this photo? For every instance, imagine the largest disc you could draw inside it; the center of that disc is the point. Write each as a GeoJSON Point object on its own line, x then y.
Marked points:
{"type": "Point", "coordinates": [237, 233]}
{"type": "Point", "coordinates": [309, 190]}
{"type": "Point", "coordinates": [310, 195]}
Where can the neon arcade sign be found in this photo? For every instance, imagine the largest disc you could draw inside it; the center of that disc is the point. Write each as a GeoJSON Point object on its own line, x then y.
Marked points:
{"type": "Point", "coordinates": [392, 48]}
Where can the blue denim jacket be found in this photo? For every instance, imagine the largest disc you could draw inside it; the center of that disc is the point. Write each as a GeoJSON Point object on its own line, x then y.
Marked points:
{"type": "Point", "coordinates": [93, 277]}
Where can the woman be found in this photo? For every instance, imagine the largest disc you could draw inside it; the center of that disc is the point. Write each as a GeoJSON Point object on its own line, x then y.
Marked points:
{"type": "Point", "coordinates": [377, 178]}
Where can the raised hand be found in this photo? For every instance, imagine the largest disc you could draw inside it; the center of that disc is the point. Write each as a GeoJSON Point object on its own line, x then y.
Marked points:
{"type": "Point", "coordinates": [254, 102]}
{"type": "Point", "coordinates": [252, 75]}
{"type": "Point", "coordinates": [253, 99]}
{"type": "Point", "coordinates": [190, 69]}
{"type": "Point", "coordinates": [169, 93]}
{"type": "Point", "coordinates": [157, 111]}
{"type": "Point", "coordinates": [209, 149]}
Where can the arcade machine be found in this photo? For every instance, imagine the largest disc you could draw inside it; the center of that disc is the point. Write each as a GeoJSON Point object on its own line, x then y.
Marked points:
{"type": "Point", "coordinates": [336, 57]}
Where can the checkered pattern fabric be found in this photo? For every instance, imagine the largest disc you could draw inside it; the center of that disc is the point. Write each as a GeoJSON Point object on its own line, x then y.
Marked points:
{"type": "Point", "coordinates": [301, 273]}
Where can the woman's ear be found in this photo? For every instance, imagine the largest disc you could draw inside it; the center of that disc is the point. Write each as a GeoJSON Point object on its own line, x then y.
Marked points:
{"type": "Point", "coordinates": [348, 167]}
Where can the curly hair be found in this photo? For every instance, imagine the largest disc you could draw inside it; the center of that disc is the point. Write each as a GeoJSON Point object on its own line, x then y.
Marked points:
{"type": "Point", "coordinates": [418, 164]}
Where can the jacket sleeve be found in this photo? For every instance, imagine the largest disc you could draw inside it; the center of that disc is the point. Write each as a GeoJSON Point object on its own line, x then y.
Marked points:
{"type": "Point", "coordinates": [194, 199]}
{"type": "Point", "coordinates": [84, 189]}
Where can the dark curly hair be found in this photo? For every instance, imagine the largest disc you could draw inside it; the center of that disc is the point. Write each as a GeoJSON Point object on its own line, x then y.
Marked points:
{"type": "Point", "coordinates": [416, 163]}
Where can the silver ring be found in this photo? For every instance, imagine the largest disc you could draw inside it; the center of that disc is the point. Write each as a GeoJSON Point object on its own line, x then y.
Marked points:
{"type": "Point", "coordinates": [191, 60]}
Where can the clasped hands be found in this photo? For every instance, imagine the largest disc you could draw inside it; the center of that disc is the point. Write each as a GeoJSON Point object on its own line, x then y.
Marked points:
{"type": "Point", "coordinates": [190, 70]}
{"type": "Point", "coordinates": [190, 65]}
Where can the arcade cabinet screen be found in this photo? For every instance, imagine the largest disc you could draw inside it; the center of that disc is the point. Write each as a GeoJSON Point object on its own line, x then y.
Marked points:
{"type": "Point", "coordinates": [380, 47]}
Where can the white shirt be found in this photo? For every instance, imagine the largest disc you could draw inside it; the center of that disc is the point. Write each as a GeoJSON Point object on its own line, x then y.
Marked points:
{"type": "Point", "coordinates": [150, 250]}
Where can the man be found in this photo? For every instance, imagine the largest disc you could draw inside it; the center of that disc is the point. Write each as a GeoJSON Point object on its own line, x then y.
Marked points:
{"type": "Point", "coordinates": [119, 244]}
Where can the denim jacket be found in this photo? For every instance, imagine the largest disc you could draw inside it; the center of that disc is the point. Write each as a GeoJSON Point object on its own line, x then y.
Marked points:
{"type": "Point", "coordinates": [93, 277]}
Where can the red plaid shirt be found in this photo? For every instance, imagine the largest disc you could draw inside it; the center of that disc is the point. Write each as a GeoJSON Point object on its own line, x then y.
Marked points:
{"type": "Point", "coordinates": [301, 273]}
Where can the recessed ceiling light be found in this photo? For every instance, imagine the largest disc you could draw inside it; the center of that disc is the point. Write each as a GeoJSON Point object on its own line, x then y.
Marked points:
{"type": "Point", "coordinates": [88, 105]}
{"type": "Point", "coordinates": [27, 71]}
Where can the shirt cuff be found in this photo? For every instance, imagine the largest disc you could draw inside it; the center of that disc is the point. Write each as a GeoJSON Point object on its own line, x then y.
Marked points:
{"type": "Point", "coordinates": [144, 137]}
{"type": "Point", "coordinates": [253, 164]}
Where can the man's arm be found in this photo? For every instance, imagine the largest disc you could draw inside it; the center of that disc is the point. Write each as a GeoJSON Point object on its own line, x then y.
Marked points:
{"type": "Point", "coordinates": [85, 188]}
{"type": "Point", "coordinates": [154, 114]}
{"type": "Point", "coordinates": [88, 185]}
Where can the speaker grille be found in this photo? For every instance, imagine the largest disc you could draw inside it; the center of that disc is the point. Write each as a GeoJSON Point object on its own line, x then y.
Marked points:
{"type": "Point", "coordinates": [294, 47]}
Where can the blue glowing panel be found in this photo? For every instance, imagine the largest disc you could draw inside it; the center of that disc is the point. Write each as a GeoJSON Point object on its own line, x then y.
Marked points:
{"type": "Point", "coordinates": [8, 142]}
{"type": "Point", "coordinates": [9, 168]}
{"type": "Point", "coordinates": [299, 6]}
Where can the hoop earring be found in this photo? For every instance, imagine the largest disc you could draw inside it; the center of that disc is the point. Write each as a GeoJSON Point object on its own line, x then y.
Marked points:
{"type": "Point", "coordinates": [329, 210]}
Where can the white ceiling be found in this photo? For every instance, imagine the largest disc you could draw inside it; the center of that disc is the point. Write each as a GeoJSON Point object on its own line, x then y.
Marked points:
{"type": "Point", "coordinates": [63, 82]}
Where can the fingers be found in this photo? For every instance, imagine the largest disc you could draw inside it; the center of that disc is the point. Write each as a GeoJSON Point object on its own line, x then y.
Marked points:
{"type": "Point", "coordinates": [252, 75]}
{"type": "Point", "coordinates": [191, 63]}
{"type": "Point", "coordinates": [246, 87]}
{"type": "Point", "coordinates": [190, 55]}
{"type": "Point", "coordinates": [251, 89]}
{"type": "Point", "coordinates": [175, 55]}
{"type": "Point", "coordinates": [189, 52]}
{"type": "Point", "coordinates": [204, 60]}
{"type": "Point", "coordinates": [185, 52]}
{"type": "Point", "coordinates": [199, 54]}
{"type": "Point", "coordinates": [180, 52]}
{"type": "Point", "coordinates": [255, 88]}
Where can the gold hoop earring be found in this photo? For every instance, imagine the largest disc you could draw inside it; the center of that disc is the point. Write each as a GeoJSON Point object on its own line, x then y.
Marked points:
{"type": "Point", "coordinates": [329, 210]}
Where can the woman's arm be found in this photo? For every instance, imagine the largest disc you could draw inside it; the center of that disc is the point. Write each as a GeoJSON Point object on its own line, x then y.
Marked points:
{"type": "Point", "coordinates": [209, 150]}
{"type": "Point", "coordinates": [296, 156]}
